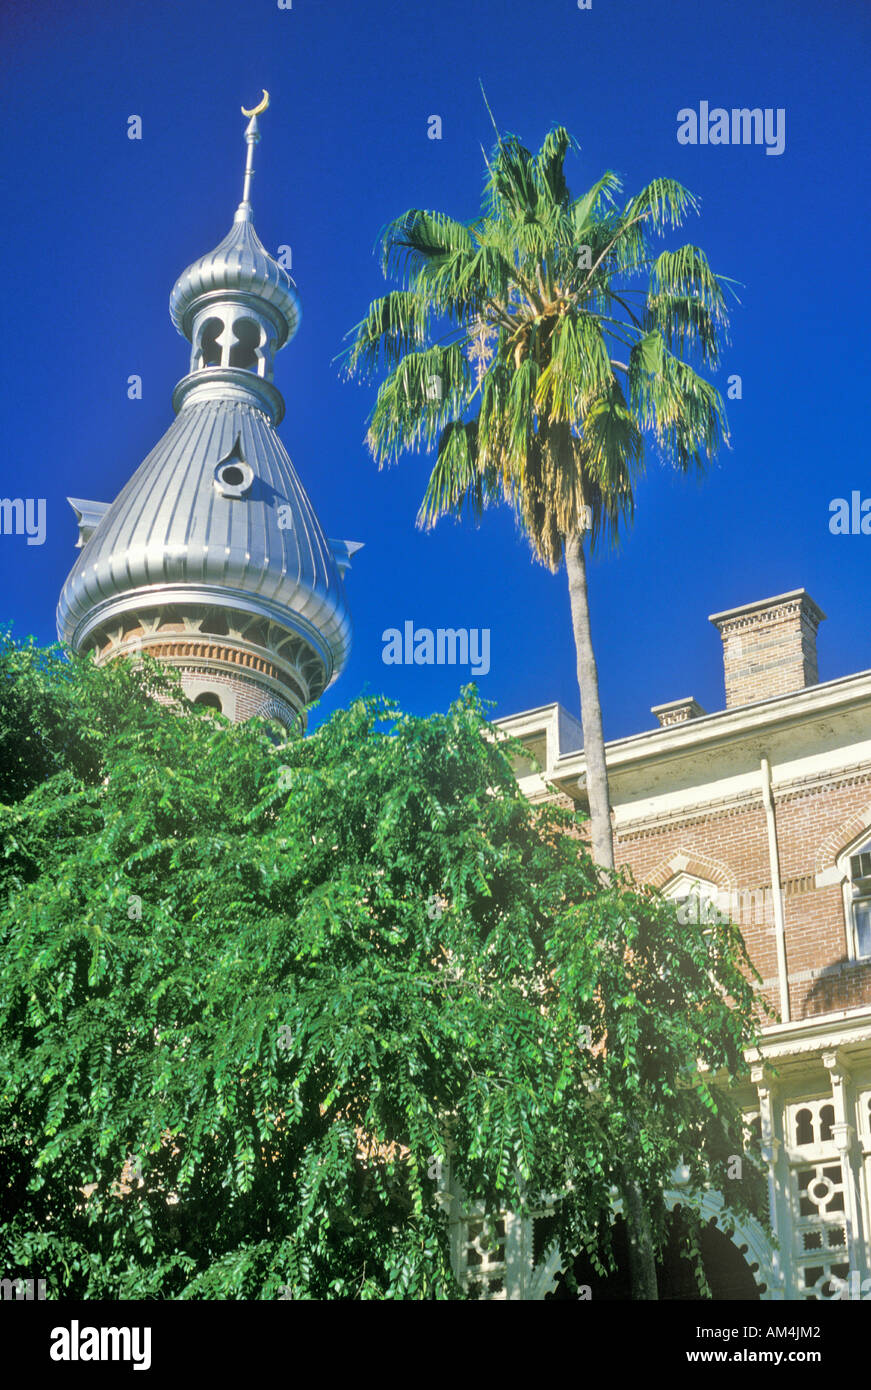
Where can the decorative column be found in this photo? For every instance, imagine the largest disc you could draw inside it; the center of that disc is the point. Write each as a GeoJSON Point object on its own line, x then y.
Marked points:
{"type": "Point", "coordinates": [843, 1134]}
{"type": "Point", "coordinates": [771, 1147]}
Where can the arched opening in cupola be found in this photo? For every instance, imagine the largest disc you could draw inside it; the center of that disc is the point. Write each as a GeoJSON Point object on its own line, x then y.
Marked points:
{"type": "Point", "coordinates": [209, 347]}
{"type": "Point", "coordinates": [243, 353]}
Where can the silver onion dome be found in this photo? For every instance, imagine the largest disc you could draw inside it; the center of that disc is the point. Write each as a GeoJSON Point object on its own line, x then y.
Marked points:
{"type": "Point", "coordinates": [216, 515]}
{"type": "Point", "coordinates": [212, 556]}
{"type": "Point", "coordinates": [240, 266]}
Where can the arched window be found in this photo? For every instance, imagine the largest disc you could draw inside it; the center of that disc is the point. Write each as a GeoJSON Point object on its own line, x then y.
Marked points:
{"type": "Point", "coordinates": [211, 694]}
{"type": "Point", "coordinates": [209, 699]}
{"type": "Point", "coordinates": [210, 348]}
{"type": "Point", "coordinates": [278, 719]}
{"type": "Point", "coordinates": [814, 1124]}
{"type": "Point", "coordinates": [699, 900]}
{"type": "Point", "coordinates": [243, 353]}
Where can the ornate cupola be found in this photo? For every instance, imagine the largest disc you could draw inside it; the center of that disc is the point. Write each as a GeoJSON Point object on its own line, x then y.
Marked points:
{"type": "Point", "coordinates": [211, 558]}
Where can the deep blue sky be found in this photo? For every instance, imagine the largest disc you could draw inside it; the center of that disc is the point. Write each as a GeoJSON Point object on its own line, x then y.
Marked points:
{"type": "Point", "coordinates": [97, 227]}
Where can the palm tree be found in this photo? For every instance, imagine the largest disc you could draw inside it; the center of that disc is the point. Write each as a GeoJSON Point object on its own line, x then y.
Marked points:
{"type": "Point", "coordinates": [518, 348]}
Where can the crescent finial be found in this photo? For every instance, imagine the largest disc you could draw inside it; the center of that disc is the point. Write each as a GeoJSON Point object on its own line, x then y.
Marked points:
{"type": "Point", "coordinates": [264, 102]}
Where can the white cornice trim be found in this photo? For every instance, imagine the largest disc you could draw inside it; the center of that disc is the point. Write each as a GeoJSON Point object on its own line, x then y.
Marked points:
{"type": "Point", "coordinates": [704, 732]}
{"type": "Point", "coordinates": [848, 1027]}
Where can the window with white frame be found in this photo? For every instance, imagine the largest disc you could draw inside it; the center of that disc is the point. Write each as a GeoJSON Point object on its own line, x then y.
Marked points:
{"type": "Point", "coordinates": [857, 900]}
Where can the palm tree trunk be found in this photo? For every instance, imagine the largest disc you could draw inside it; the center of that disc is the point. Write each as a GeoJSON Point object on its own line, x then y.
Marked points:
{"type": "Point", "coordinates": [591, 710]}
{"type": "Point", "coordinates": [642, 1266]}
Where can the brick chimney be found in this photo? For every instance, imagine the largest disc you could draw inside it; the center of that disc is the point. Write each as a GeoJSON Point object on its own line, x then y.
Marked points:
{"type": "Point", "coordinates": [769, 647]}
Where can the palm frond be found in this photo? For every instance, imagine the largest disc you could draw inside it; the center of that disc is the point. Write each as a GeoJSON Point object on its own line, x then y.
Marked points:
{"type": "Point", "coordinates": [686, 414]}
{"type": "Point", "coordinates": [611, 510]}
{"type": "Point", "coordinates": [456, 485]}
{"type": "Point", "coordinates": [511, 185]}
{"type": "Point", "coordinates": [614, 444]}
{"type": "Point", "coordinates": [493, 413]}
{"type": "Point", "coordinates": [590, 206]}
{"type": "Point", "coordinates": [686, 272]}
{"type": "Point", "coordinates": [520, 415]}
{"type": "Point", "coordinates": [418, 238]}
{"type": "Point", "coordinates": [662, 202]}
{"type": "Point", "coordinates": [462, 286]}
{"type": "Point", "coordinates": [547, 166]}
{"type": "Point", "coordinates": [578, 372]}
{"type": "Point", "coordinates": [395, 324]}
{"type": "Point", "coordinates": [685, 323]}
{"type": "Point", "coordinates": [423, 393]}
{"type": "Point", "coordinates": [631, 252]}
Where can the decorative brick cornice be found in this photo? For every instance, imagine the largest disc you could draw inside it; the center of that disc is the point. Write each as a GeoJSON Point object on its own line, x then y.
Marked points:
{"type": "Point", "coordinates": [677, 711]}
{"type": "Point", "coordinates": [856, 775]}
{"type": "Point", "coordinates": [813, 1036]}
{"type": "Point", "coordinates": [283, 687]}
{"type": "Point", "coordinates": [281, 662]}
{"type": "Point", "coordinates": [205, 650]}
{"type": "Point", "coordinates": [752, 616]}
{"type": "Point", "coordinates": [716, 809]}
{"type": "Point", "coordinates": [835, 842]}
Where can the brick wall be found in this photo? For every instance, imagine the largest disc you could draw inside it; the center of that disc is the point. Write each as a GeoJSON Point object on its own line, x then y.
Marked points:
{"type": "Point", "coordinates": [248, 696]}
{"type": "Point", "coordinates": [729, 846]}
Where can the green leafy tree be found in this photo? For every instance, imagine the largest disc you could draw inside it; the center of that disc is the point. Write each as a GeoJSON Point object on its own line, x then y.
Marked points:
{"type": "Point", "coordinates": [41, 730]}
{"type": "Point", "coordinates": [521, 348]}
{"type": "Point", "coordinates": [251, 996]}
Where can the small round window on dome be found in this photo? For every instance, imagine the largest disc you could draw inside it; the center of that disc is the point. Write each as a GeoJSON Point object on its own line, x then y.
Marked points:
{"type": "Point", "coordinates": [209, 699]}
{"type": "Point", "coordinates": [233, 477]}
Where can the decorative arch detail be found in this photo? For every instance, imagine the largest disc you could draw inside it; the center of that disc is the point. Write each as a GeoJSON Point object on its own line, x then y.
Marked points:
{"type": "Point", "coordinates": [839, 839]}
{"type": "Point", "coordinates": [196, 685]}
{"type": "Point", "coordinates": [695, 865]}
{"type": "Point", "coordinates": [274, 709]}
{"type": "Point", "coordinates": [746, 1235]}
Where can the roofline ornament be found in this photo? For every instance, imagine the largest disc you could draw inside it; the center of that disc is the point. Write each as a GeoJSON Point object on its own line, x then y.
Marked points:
{"type": "Point", "coordinates": [252, 137]}
{"type": "Point", "coordinates": [257, 110]}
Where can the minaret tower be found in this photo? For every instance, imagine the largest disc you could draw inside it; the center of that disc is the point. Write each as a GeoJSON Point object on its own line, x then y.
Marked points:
{"type": "Point", "coordinates": [211, 558]}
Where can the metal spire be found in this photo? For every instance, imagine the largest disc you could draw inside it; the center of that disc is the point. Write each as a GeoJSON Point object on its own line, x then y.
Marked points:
{"type": "Point", "coordinates": [244, 212]}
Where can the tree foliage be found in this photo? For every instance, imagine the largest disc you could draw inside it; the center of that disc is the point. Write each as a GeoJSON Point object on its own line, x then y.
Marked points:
{"type": "Point", "coordinates": [279, 983]}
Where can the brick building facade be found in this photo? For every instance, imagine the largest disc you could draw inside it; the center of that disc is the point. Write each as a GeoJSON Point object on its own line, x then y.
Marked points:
{"type": "Point", "coordinates": [762, 811]}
